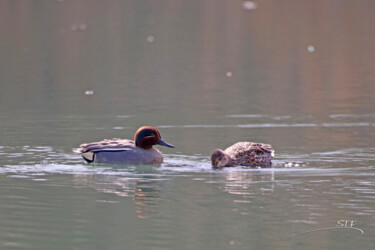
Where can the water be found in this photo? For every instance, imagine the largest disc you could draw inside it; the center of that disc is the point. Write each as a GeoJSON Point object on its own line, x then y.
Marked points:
{"type": "Point", "coordinates": [297, 75]}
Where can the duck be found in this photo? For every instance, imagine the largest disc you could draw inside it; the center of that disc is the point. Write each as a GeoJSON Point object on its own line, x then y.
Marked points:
{"type": "Point", "coordinates": [249, 154]}
{"type": "Point", "coordinates": [125, 151]}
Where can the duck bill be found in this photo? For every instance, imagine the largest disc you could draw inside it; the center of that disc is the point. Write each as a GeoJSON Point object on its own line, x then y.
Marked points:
{"type": "Point", "coordinates": [163, 143]}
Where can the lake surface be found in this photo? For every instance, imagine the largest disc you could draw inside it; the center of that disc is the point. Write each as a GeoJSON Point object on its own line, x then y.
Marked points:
{"type": "Point", "coordinates": [296, 74]}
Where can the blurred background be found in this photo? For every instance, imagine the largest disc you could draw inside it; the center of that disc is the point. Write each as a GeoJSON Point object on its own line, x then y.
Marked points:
{"type": "Point", "coordinates": [208, 73]}
{"type": "Point", "coordinates": [68, 67]}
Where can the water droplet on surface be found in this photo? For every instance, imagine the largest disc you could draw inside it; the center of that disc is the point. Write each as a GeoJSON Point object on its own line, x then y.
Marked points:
{"type": "Point", "coordinates": [89, 92]}
{"type": "Point", "coordinates": [311, 48]}
{"type": "Point", "coordinates": [150, 39]}
{"type": "Point", "coordinates": [249, 5]}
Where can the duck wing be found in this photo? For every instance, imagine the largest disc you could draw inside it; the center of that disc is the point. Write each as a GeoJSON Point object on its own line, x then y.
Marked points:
{"type": "Point", "coordinates": [106, 145]}
{"type": "Point", "coordinates": [251, 154]}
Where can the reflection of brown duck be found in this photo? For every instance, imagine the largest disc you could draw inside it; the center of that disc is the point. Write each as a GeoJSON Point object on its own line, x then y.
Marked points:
{"type": "Point", "coordinates": [123, 151]}
{"type": "Point", "coordinates": [248, 154]}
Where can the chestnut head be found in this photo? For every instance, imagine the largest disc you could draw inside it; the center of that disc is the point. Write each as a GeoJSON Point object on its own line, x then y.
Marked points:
{"type": "Point", "coordinates": [147, 136]}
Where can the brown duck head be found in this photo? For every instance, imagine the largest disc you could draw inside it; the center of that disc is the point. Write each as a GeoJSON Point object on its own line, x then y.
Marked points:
{"type": "Point", "coordinates": [220, 159]}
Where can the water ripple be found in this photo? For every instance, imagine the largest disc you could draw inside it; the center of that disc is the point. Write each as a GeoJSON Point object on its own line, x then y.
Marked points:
{"type": "Point", "coordinates": [273, 125]}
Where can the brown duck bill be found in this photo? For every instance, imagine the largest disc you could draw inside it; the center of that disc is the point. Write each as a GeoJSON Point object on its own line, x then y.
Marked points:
{"type": "Point", "coordinates": [163, 143]}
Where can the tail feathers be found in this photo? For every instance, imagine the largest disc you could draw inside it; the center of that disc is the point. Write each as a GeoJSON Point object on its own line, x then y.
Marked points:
{"type": "Point", "coordinates": [88, 156]}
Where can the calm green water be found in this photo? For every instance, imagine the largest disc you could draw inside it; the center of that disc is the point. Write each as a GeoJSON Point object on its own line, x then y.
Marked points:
{"type": "Point", "coordinates": [296, 74]}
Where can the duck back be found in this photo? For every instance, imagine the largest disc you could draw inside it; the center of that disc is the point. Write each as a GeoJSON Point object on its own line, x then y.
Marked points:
{"type": "Point", "coordinates": [251, 154]}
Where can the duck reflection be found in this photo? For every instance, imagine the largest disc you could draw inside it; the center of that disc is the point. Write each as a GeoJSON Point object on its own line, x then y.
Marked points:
{"type": "Point", "coordinates": [145, 199]}
{"type": "Point", "coordinates": [249, 183]}
{"type": "Point", "coordinates": [143, 188]}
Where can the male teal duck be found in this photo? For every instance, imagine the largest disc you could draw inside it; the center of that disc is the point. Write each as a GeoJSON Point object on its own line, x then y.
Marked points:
{"type": "Point", "coordinates": [250, 154]}
{"type": "Point", "coordinates": [124, 151]}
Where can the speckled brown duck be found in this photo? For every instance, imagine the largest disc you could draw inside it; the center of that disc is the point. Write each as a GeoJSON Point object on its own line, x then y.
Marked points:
{"type": "Point", "coordinates": [249, 154]}
{"type": "Point", "coordinates": [124, 151]}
